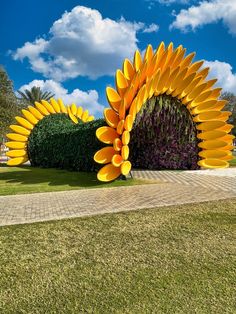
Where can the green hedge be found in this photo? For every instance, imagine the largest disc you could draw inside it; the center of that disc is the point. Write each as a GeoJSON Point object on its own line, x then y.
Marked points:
{"type": "Point", "coordinates": [56, 142]}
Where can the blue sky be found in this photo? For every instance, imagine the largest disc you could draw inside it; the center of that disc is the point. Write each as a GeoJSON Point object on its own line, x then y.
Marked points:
{"type": "Point", "coordinates": [76, 54]}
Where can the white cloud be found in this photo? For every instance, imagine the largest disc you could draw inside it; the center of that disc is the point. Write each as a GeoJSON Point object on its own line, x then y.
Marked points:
{"type": "Point", "coordinates": [224, 73]}
{"type": "Point", "coordinates": [207, 12]}
{"type": "Point", "coordinates": [166, 2]}
{"type": "Point", "coordinates": [88, 100]}
{"type": "Point", "coordinates": [82, 43]}
{"type": "Point", "coordinates": [152, 28]}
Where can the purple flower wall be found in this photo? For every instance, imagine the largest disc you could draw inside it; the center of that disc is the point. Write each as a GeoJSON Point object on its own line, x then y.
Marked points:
{"type": "Point", "coordinates": [164, 136]}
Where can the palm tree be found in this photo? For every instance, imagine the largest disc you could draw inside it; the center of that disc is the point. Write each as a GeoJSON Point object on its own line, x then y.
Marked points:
{"type": "Point", "coordinates": [35, 94]}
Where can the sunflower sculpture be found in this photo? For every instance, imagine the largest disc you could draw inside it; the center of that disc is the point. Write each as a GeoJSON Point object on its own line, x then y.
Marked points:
{"type": "Point", "coordinates": [166, 72]}
{"type": "Point", "coordinates": [34, 116]}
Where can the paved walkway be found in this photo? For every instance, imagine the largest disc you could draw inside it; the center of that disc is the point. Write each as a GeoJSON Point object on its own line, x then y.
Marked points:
{"type": "Point", "coordinates": [170, 188]}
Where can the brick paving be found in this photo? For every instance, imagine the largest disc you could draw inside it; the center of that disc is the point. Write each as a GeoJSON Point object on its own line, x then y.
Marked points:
{"type": "Point", "coordinates": [169, 188]}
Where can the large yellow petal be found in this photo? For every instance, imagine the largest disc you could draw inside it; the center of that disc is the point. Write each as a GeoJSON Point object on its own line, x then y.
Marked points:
{"type": "Point", "coordinates": [113, 98]}
{"type": "Point", "coordinates": [111, 117]}
{"type": "Point", "coordinates": [29, 116]}
{"type": "Point", "coordinates": [212, 144]}
{"type": "Point", "coordinates": [106, 134]}
{"type": "Point", "coordinates": [36, 112]}
{"type": "Point", "coordinates": [148, 53]}
{"type": "Point", "coordinates": [128, 122]}
{"type": "Point", "coordinates": [120, 126]}
{"type": "Point", "coordinates": [208, 115]}
{"type": "Point", "coordinates": [128, 69]}
{"type": "Point", "coordinates": [73, 109]}
{"type": "Point", "coordinates": [17, 137]}
{"type": "Point", "coordinates": [210, 125]}
{"type": "Point", "coordinates": [19, 129]}
{"type": "Point", "coordinates": [48, 106]}
{"type": "Point", "coordinates": [17, 161]}
{"type": "Point", "coordinates": [213, 153]}
{"type": "Point", "coordinates": [121, 82]}
{"type": "Point", "coordinates": [211, 135]}
{"type": "Point", "coordinates": [79, 112]}
{"type": "Point", "coordinates": [137, 60]}
{"type": "Point", "coordinates": [42, 109]}
{"type": "Point", "coordinates": [55, 105]}
{"type": "Point", "coordinates": [85, 116]}
{"type": "Point", "coordinates": [62, 106]}
{"type": "Point", "coordinates": [213, 163]}
{"type": "Point", "coordinates": [204, 106]}
{"type": "Point", "coordinates": [125, 137]}
{"type": "Point", "coordinates": [108, 173]}
{"type": "Point", "coordinates": [104, 155]}
{"type": "Point", "coordinates": [72, 117]}
{"type": "Point", "coordinates": [16, 145]}
{"type": "Point", "coordinates": [16, 153]}
{"type": "Point", "coordinates": [25, 123]}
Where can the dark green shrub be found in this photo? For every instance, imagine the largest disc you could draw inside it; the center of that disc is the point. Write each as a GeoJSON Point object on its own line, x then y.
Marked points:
{"type": "Point", "coordinates": [56, 142]}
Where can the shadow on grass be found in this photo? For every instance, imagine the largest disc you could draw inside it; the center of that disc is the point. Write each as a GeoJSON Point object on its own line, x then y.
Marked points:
{"type": "Point", "coordinates": [54, 177]}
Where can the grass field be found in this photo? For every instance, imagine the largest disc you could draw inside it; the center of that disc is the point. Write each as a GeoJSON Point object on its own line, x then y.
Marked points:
{"type": "Point", "coordinates": [26, 179]}
{"type": "Point", "coordinates": [177, 259]}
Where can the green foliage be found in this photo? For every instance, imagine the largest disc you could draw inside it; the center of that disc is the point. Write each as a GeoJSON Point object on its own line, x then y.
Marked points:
{"type": "Point", "coordinates": [231, 106]}
{"type": "Point", "coordinates": [164, 136]}
{"type": "Point", "coordinates": [34, 94]}
{"type": "Point", "coordinates": [56, 142]}
{"type": "Point", "coordinates": [8, 102]}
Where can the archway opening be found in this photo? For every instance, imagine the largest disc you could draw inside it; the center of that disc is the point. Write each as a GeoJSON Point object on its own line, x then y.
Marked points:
{"type": "Point", "coordinates": [164, 136]}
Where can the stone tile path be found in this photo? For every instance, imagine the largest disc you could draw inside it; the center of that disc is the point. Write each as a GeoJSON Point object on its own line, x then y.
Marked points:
{"type": "Point", "coordinates": [169, 188]}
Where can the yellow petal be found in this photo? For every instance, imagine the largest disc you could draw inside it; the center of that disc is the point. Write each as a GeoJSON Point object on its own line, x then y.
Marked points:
{"type": "Point", "coordinates": [104, 155]}
{"type": "Point", "coordinates": [125, 137]}
{"type": "Point", "coordinates": [187, 60]}
{"type": "Point", "coordinates": [73, 109]}
{"type": "Point", "coordinates": [106, 134]}
{"type": "Point", "coordinates": [213, 163]}
{"type": "Point", "coordinates": [108, 173]}
{"type": "Point", "coordinates": [48, 106]}
{"type": "Point", "coordinates": [17, 161]}
{"type": "Point", "coordinates": [137, 60]}
{"type": "Point", "coordinates": [125, 152]}
{"type": "Point", "coordinates": [16, 145]}
{"type": "Point", "coordinates": [85, 116]}
{"type": "Point", "coordinates": [128, 122]}
{"type": "Point", "coordinates": [72, 117]}
{"type": "Point", "coordinates": [117, 144]}
{"type": "Point", "coordinates": [28, 115]}
{"type": "Point", "coordinates": [17, 137]}
{"type": "Point", "coordinates": [79, 112]}
{"type": "Point", "coordinates": [128, 69]}
{"type": "Point", "coordinates": [148, 53]}
{"type": "Point", "coordinates": [36, 113]}
{"type": "Point", "coordinates": [206, 116]}
{"type": "Point", "coordinates": [122, 110]}
{"type": "Point", "coordinates": [120, 127]}
{"type": "Point", "coordinates": [212, 144]}
{"type": "Point", "coordinates": [55, 105]}
{"type": "Point", "coordinates": [126, 167]}
{"type": "Point", "coordinates": [25, 123]}
{"type": "Point", "coordinates": [226, 127]}
{"type": "Point", "coordinates": [19, 129]}
{"type": "Point", "coordinates": [113, 98]}
{"type": "Point", "coordinates": [200, 98]}
{"type": "Point", "coordinates": [42, 109]}
{"type": "Point", "coordinates": [116, 160]}
{"type": "Point", "coordinates": [62, 106]}
{"type": "Point", "coordinates": [90, 118]}
{"type": "Point", "coordinates": [16, 153]}
{"type": "Point", "coordinates": [210, 125]}
{"type": "Point", "coordinates": [111, 117]}
{"type": "Point", "coordinates": [121, 82]}
{"type": "Point", "coordinates": [211, 135]}
{"type": "Point", "coordinates": [214, 153]}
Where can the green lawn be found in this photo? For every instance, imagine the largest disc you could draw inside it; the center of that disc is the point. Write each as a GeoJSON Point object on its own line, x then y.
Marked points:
{"type": "Point", "coordinates": [26, 179]}
{"type": "Point", "coordinates": [177, 259]}
{"type": "Point", "coordinates": [233, 162]}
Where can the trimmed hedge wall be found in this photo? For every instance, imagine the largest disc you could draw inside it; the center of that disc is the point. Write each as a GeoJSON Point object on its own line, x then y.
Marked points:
{"type": "Point", "coordinates": [164, 136]}
{"type": "Point", "coordinates": [56, 142]}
